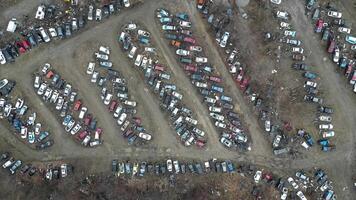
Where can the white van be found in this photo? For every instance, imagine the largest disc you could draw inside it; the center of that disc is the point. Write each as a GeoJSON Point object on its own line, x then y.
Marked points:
{"type": "Point", "coordinates": [138, 60]}
{"type": "Point", "coordinates": [132, 52]}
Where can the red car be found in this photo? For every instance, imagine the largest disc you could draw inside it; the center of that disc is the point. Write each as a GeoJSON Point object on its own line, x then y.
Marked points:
{"type": "Point", "coordinates": [159, 68]}
{"type": "Point", "coordinates": [215, 79]}
{"type": "Point", "coordinates": [240, 76]}
{"type": "Point", "coordinates": [319, 25]}
{"type": "Point", "coordinates": [189, 40]}
{"type": "Point", "coordinates": [191, 68]}
{"type": "Point", "coordinates": [98, 133]}
{"type": "Point", "coordinates": [113, 106]}
{"type": "Point", "coordinates": [49, 74]}
{"type": "Point", "coordinates": [349, 68]}
{"type": "Point", "coordinates": [137, 120]}
{"type": "Point", "coordinates": [20, 47]}
{"type": "Point", "coordinates": [127, 133]}
{"type": "Point", "coordinates": [82, 135]}
{"type": "Point", "coordinates": [331, 47]}
{"type": "Point", "coordinates": [200, 143]}
{"type": "Point", "coordinates": [77, 105]}
{"type": "Point", "coordinates": [88, 119]}
{"type": "Point", "coordinates": [26, 44]}
{"type": "Point", "coordinates": [244, 83]}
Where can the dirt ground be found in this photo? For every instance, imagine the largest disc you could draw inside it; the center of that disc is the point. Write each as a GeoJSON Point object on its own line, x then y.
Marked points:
{"type": "Point", "coordinates": [70, 60]}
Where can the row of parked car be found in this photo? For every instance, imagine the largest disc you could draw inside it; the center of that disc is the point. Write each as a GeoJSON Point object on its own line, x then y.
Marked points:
{"type": "Point", "coordinates": [36, 35]}
{"type": "Point", "coordinates": [24, 122]}
{"type": "Point", "coordinates": [311, 87]}
{"type": "Point", "coordinates": [204, 78]}
{"type": "Point", "coordinates": [239, 72]}
{"type": "Point", "coordinates": [57, 92]}
{"type": "Point", "coordinates": [114, 94]}
{"type": "Point", "coordinates": [51, 172]}
{"type": "Point", "coordinates": [157, 77]}
{"type": "Point", "coordinates": [171, 167]}
{"type": "Point", "coordinates": [341, 44]}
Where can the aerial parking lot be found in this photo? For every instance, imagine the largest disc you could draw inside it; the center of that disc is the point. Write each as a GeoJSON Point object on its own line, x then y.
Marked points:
{"type": "Point", "coordinates": [161, 97]}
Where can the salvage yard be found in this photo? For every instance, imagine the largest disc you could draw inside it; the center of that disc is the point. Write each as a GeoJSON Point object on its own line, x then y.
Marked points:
{"type": "Point", "coordinates": [267, 95]}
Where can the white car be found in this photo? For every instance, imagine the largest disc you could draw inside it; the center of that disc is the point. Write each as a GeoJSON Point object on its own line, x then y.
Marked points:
{"type": "Point", "coordinates": [276, 141]}
{"type": "Point", "coordinates": [38, 128]}
{"type": "Point", "coordinates": [90, 13]}
{"type": "Point", "coordinates": [54, 97]}
{"type": "Point", "coordinates": [145, 136]}
{"type": "Point", "coordinates": [60, 103]}
{"type": "Point", "coordinates": [334, 14]}
{"type": "Point", "coordinates": [310, 84]}
{"type": "Point", "coordinates": [105, 50]}
{"type": "Point", "coordinates": [19, 103]}
{"type": "Point", "coordinates": [301, 195]}
{"type": "Point", "coordinates": [217, 116]}
{"type": "Point", "coordinates": [2, 58]}
{"type": "Point", "coordinates": [344, 30]}
{"type": "Point", "coordinates": [293, 42]}
{"type": "Point", "coordinates": [290, 33]}
{"type": "Point", "coordinates": [215, 109]}
{"type": "Point", "coordinates": [44, 34]}
{"type": "Point", "coordinates": [182, 52]}
{"type": "Point", "coordinates": [91, 67]}
{"type": "Point", "coordinates": [102, 56]}
{"type": "Point", "coordinates": [94, 77]}
{"type": "Point", "coordinates": [198, 132]}
{"type": "Point", "coordinates": [130, 103]}
{"type": "Point", "coordinates": [98, 14]}
{"type": "Point", "coordinates": [284, 193]}
{"type": "Point", "coordinates": [118, 111]}
{"type": "Point", "coordinates": [326, 126]}
{"type": "Point", "coordinates": [201, 59]}
{"type": "Point", "coordinates": [143, 33]}
{"type": "Point", "coordinates": [224, 39]}
{"type": "Point", "coordinates": [268, 125]}
{"type": "Point", "coordinates": [23, 132]}
{"type": "Point", "coordinates": [45, 68]}
{"type": "Point", "coordinates": [297, 50]}
{"type": "Point", "coordinates": [121, 119]}
{"type": "Point", "coordinates": [325, 118]}
{"type": "Point", "coordinates": [31, 119]}
{"type": "Point", "coordinates": [42, 89]}
{"type": "Point", "coordinates": [52, 32]}
{"type": "Point", "coordinates": [282, 15]}
{"type": "Point", "coordinates": [336, 57]}
{"type": "Point", "coordinates": [285, 25]}
{"type": "Point", "coordinates": [108, 98]}
{"type": "Point", "coordinates": [185, 24]}
{"type": "Point", "coordinates": [76, 128]}
{"type": "Point", "coordinates": [195, 48]}
{"type": "Point", "coordinates": [132, 52]}
{"type": "Point", "coordinates": [293, 183]}
{"type": "Point", "coordinates": [82, 113]}
{"type": "Point", "coordinates": [201, 84]}
{"type": "Point", "coordinates": [70, 125]}
{"type": "Point", "coordinates": [226, 142]}
{"type": "Point", "coordinates": [328, 134]}
{"type": "Point", "coordinates": [67, 90]}
{"type": "Point", "coordinates": [220, 125]}
{"type": "Point", "coordinates": [191, 120]}
{"type": "Point", "coordinates": [169, 165]}
{"type": "Point", "coordinates": [257, 177]}
{"type": "Point", "coordinates": [276, 1]}
{"type": "Point", "coordinates": [40, 13]}
{"type": "Point", "coordinates": [126, 3]}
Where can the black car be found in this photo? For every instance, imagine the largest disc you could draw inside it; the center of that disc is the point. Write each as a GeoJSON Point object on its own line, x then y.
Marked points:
{"type": "Point", "coordinates": [12, 50]}
{"type": "Point", "coordinates": [8, 56]}
{"type": "Point", "coordinates": [218, 167]}
{"type": "Point", "coordinates": [4, 156]}
{"type": "Point", "coordinates": [68, 30]}
{"type": "Point", "coordinates": [60, 31]}
{"type": "Point", "coordinates": [32, 171]}
{"type": "Point", "coordinates": [32, 40]}
{"type": "Point", "coordinates": [191, 168]}
{"type": "Point", "coordinates": [45, 145]}
{"type": "Point", "coordinates": [114, 166]}
{"type": "Point", "coordinates": [324, 109]}
{"type": "Point", "coordinates": [81, 22]}
{"type": "Point", "coordinates": [25, 169]}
